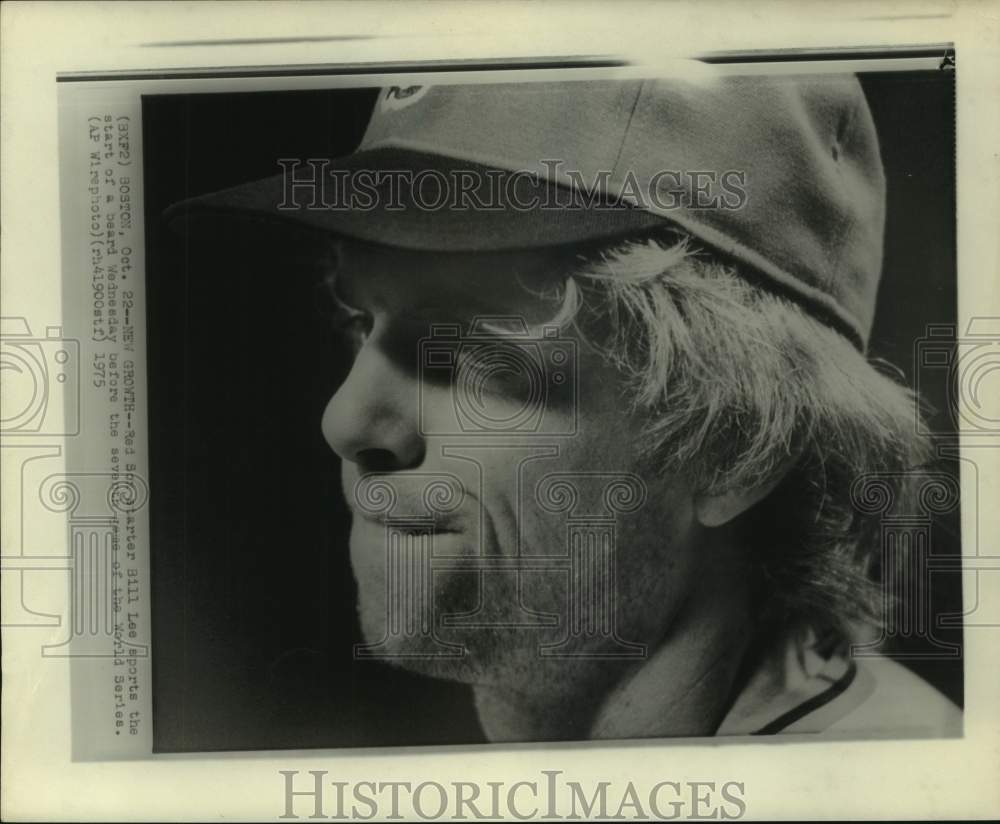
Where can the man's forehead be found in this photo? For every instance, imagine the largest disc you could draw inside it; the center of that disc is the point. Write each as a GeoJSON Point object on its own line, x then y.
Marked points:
{"type": "Point", "coordinates": [367, 269]}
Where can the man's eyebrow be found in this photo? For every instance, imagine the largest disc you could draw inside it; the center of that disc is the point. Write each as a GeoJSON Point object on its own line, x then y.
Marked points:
{"type": "Point", "coordinates": [448, 297]}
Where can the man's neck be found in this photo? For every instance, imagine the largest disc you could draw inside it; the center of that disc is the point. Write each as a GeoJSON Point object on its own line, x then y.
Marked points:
{"type": "Point", "coordinates": [682, 688]}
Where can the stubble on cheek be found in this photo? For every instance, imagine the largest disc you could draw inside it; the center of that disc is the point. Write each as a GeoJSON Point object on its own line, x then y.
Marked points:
{"type": "Point", "coordinates": [492, 615]}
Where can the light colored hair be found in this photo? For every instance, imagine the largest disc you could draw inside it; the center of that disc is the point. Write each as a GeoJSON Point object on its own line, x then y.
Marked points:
{"type": "Point", "coordinates": [742, 385]}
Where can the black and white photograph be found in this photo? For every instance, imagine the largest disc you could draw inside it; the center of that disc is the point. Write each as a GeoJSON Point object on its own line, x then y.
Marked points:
{"type": "Point", "coordinates": [499, 411]}
{"type": "Point", "coordinates": [553, 410]}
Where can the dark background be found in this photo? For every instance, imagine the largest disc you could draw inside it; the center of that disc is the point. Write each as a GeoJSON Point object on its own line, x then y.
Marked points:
{"type": "Point", "coordinates": [253, 598]}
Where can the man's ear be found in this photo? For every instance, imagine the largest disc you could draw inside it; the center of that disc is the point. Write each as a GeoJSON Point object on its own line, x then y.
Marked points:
{"type": "Point", "coordinates": [718, 510]}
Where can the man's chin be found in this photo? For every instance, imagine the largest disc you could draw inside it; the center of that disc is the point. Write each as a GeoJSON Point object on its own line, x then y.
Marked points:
{"type": "Point", "coordinates": [469, 655]}
{"type": "Point", "coordinates": [419, 652]}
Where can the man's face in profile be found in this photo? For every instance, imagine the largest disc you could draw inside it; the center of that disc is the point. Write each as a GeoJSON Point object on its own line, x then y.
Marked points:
{"type": "Point", "coordinates": [397, 417]}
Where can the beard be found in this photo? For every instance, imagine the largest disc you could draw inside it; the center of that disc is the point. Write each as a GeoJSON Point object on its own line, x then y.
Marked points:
{"type": "Point", "coordinates": [496, 629]}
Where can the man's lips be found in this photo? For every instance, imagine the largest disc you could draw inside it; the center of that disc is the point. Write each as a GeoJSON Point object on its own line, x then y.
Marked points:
{"type": "Point", "coordinates": [412, 523]}
{"type": "Point", "coordinates": [437, 502]}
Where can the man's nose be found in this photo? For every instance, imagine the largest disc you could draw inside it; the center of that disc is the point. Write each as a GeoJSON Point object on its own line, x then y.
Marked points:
{"type": "Point", "coordinates": [372, 419]}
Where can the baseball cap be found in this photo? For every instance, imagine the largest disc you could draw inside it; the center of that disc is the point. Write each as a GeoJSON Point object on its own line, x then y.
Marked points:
{"type": "Point", "coordinates": [781, 174]}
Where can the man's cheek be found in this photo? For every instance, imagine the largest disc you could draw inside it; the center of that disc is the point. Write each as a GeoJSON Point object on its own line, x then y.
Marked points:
{"type": "Point", "coordinates": [456, 593]}
{"type": "Point", "coordinates": [546, 592]}
{"type": "Point", "coordinates": [369, 575]}
{"type": "Point", "coordinates": [383, 597]}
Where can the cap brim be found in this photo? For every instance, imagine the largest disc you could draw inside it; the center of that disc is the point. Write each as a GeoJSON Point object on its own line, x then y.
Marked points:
{"type": "Point", "coordinates": [500, 210]}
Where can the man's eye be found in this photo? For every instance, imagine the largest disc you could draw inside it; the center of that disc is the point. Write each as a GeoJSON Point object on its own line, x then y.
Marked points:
{"type": "Point", "coordinates": [499, 369]}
